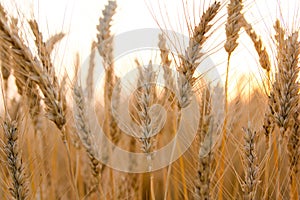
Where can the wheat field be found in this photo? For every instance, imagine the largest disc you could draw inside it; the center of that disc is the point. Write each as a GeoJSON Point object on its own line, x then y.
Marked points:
{"type": "Point", "coordinates": [167, 131]}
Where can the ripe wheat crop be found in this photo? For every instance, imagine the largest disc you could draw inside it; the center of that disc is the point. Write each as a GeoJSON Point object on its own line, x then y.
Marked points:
{"type": "Point", "coordinates": [219, 145]}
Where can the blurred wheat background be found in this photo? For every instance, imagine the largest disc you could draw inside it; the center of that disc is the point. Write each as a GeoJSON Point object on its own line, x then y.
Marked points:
{"type": "Point", "coordinates": [246, 145]}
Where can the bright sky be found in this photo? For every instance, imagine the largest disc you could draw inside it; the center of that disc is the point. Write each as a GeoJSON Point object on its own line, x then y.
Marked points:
{"type": "Point", "coordinates": [78, 18]}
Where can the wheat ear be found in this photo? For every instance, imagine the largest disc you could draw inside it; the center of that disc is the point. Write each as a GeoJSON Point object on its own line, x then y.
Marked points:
{"type": "Point", "coordinates": [251, 168]}
{"type": "Point", "coordinates": [286, 85]}
{"type": "Point", "coordinates": [264, 58]}
{"type": "Point", "coordinates": [84, 131]}
{"type": "Point", "coordinates": [204, 164]}
{"type": "Point", "coordinates": [19, 189]}
{"type": "Point", "coordinates": [26, 63]}
{"type": "Point", "coordinates": [145, 100]}
{"type": "Point", "coordinates": [190, 61]}
{"type": "Point", "coordinates": [166, 65]}
{"type": "Point", "coordinates": [105, 48]}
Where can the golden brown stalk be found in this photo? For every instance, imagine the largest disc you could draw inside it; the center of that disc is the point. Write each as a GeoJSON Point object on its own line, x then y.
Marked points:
{"type": "Point", "coordinates": [251, 169]}
{"type": "Point", "coordinates": [190, 61]}
{"type": "Point", "coordinates": [19, 189]}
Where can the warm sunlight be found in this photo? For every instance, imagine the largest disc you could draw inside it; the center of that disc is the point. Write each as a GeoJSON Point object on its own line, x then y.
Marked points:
{"type": "Point", "coordinates": [150, 99]}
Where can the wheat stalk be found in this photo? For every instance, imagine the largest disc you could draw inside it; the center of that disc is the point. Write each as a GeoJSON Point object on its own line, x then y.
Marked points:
{"type": "Point", "coordinates": [232, 28]}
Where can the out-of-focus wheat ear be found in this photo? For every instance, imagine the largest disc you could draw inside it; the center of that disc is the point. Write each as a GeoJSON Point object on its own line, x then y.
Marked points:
{"type": "Point", "coordinates": [19, 189]}
{"type": "Point", "coordinates": [35, 107]}
{"type": "Point", "coordinates": [268, 127]}
{"type": "Point", "coordinates": [264, 58]}
{"type": "Point", "coordinates": [166, 65]}
{"type": "Point", "coordinates": [203, 181]}
{"type": "Point", "coordinates": [84, 132]}
{"type": "Point", "coordinates": [90, 76]}
{"type": "Point", "coordinates": [105, 39]}
{"type": "Point", "coordinates": [190, 61]}
{"type": "Point", "coordinates": [251, 166]}
{"type": "Point", "coordinates": [115, 131]}
{"type": "Point", "coordinates": [5, 59]}
{"type": "Point", "coordinates": [145, 100]}
{"type": "Point", "coordinates": [52, 41]}
{"type": "Point", "coordinates": [146, 123]}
